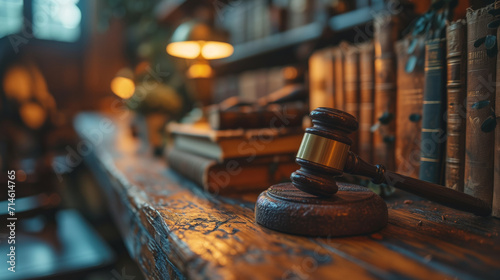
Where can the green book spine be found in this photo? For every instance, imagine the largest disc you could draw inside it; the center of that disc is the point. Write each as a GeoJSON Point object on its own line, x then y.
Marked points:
{"type": "Point", "coordinates": [433, 135]}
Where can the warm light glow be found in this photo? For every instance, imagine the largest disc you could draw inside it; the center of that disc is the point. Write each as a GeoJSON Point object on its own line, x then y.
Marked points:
{"type": "Point", "coordinates": [123, 87]}
{"type": "Point", "coordinates": [32, 114]}
{"type": "Point", "coordinates": [187, 49]}
{"type": "Point", "coordinates": [290, 73]}
{"type": "Point", "coordinates": [193, 49]}
{"type": "Point", "coordinates": [216, 50]}
{"type": "Point", "coordinates": [17, 84]}
{"type": "Point", "coordinates": [199, 71]}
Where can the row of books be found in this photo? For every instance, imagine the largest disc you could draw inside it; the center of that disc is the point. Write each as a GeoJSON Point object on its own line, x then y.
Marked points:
{"type": "Point", "coordinates": [252, 20]}
{"type": "Point", "coordinates": [426, 107]}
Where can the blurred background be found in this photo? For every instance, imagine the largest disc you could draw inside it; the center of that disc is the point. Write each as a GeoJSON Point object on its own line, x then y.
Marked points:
{"type": "Point", "coordinates": [157, 60]}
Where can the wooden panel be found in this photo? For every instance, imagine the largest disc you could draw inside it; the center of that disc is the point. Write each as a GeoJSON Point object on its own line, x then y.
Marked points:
{"type": "Point", "coordinates": [173, 228]}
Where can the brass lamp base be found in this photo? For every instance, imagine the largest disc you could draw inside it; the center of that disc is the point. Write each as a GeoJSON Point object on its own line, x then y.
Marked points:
{"type": "Point", "coordinates": [353, 210]}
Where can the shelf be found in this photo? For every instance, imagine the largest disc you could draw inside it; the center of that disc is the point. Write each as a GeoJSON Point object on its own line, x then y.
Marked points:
{"type": "Point", "coordinates": [354, 18]}
{"type": "Point", "coordinates": [272, 43]}
{"type": "Point", "coordinates": [259, 51]}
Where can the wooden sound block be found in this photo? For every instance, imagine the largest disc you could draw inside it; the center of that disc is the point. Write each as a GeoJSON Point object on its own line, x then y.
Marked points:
{"type": "Point", "coordinates": [352, 210]}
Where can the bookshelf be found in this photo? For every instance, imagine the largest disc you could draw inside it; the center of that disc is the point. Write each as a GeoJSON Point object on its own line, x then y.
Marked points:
{"type": "Point", "coordinates": [272, 49]}
{"type": "Point", "coordinates": [255, 53]}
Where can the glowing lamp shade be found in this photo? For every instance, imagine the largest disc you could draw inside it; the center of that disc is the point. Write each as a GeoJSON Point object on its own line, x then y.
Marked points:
{"type": "Point", "coordinates": [196, 39]}
{"type": "Point", "coordinates": [216, 50]}
{"type": "Point", "coordinates": [199, 70]}
{"type": "Point", "coordinates": [189, 49]}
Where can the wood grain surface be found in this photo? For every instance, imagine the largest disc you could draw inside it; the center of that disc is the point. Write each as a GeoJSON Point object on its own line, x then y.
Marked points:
{"type": "Point", "coordinates": [175, 230]}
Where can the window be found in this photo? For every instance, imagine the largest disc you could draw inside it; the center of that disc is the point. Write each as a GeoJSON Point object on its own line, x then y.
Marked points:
{"type": "Point", "coordinates": [57, 20]}
{"type": "Point", "coordinates": [11, 17]}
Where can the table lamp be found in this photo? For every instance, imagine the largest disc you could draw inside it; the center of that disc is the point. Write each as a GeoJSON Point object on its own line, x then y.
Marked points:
{"type": "Point", "coordinates": [199, 41]}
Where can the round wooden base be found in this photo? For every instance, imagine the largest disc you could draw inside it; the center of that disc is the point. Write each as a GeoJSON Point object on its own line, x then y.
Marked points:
{"type": "Point", "coordinates": [352, 210]}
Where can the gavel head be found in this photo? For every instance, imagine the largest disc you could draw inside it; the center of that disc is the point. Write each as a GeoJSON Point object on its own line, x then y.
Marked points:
{"type": "Point", "coordinates": [324, 151]}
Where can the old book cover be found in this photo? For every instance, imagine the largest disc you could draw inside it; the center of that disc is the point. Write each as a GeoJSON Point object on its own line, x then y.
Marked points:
{"type": "Point", "coordinates": [410, 53]}
{"type": "Point", "coordinates": [321, 79]}
{"type": "Point", "coordinates": [386, 30]}
{"type": "Point", "coordinates": [261, 17]}
{"type": "Point", "coordinates": [258, 117]}
{"type": "Point", "coordinates": [250, 26]}
{"type": "Point", "coordinates": [200, 139]}
{"type": "Point", "coordinates": [338, 81]}
{"type": "Point", "coordinates": [247, 85]}
{"type": "Point", "coordinates": [275, 80]}
{"type": "Point", "coordinates": [237, 175]}
{"type": "Point", "coordinates": [278, 16]}
{"type": "Point", "coordinates": [300, 12]}
{"type": "Point", "coordinates": [479, 139]}
{"type": "Point", "coordinates": [366, 90]}
{"type": "Point", "coordinates": [234, 21]}
{"type": "Point", "coordinates": [351, 86]}
{"type": "Point", "coordinates": [456, 38]}
{"type": "Point", "coordinates": [433, 136]}
{"type": "Point", "coordinates": [261, 80]}
{"type": "Point", "coordinates": [496, 187]}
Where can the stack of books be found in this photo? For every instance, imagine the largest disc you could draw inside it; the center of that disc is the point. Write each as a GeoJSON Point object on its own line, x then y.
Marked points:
{"type": "Point", "coordinates": [233, 160]}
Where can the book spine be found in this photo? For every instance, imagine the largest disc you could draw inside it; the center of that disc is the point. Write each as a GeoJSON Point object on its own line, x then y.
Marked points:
{"type": "Point", "coordinates": [409, 105]}
{"type": "Point", "coordinates": [433, 129]}
{"type": "Point", "coordinates": [351, 87]}
{"type": "Point", "coordinates": [338, 58]}
{"type": "Point", "coordinates": [297, 10]}
{"type": "Point", "coordinates": [479, 140]}
{"type": "Point", "coordinates": [456, 91]}
{"type": "Point", "coordinates": [496, 179]}
{"type": "Point", "coordinates": [270, 116]}
{"type": "Point", "coordinates": [193, 167]}
{"type": "Point", "coordinates": [366, 101]}
{"type": "Point", "coordinates": [385, 91]}
{"type": "Point", "coordinates": [320, 93]}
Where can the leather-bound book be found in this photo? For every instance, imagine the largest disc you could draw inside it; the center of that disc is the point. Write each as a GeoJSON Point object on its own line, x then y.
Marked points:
{"type": "Point", "coordinates": [300, 12]}
{"type": "Point", "coordinates": [235, 175]}
{"type": "Point", "coordinates": [278, 16]}
{"type": "Point", "coordinates": [338, 81]}
{"type": "Point", "coordinates": [321, 79]}
{"type": "Point", "coordinates": [479, 139]}
{"type": "Point", "coordinates": [289, 114]}
{"type": "Point", "coordinates": [410, 94]}
{"type": "Point", "coordinates": [385, 91]}
{"type": "Point", "coordinates": [496, 179]}
{"type": "Point", "coordinates": [261, 81]}
{"type": "Point", "coordinates": [433, 136]}
{"type": "Point", "coordinates": [366, 72]}
{"type": "Point", "coordinates": [351, 86]}
{"type": "Point", "coordinates": [247, 85]}
{"type": "Point", "coordinates": [275, 80]}
{"type": "Point", "coordinates": [221, 145]}
{"type": "Point", "coordinates": [456, 38]}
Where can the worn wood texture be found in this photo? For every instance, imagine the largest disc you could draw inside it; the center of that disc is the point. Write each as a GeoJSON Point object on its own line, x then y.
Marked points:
{"type": "Point", "coordinates": [175, 230]}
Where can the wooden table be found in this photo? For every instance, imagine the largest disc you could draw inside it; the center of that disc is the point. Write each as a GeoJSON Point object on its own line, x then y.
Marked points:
{"type": "Point", "coordinates": [173, 229]}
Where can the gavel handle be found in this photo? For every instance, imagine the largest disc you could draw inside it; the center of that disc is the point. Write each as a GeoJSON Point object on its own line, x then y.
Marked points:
{"type": "Point", "coordinates": [442, 195]}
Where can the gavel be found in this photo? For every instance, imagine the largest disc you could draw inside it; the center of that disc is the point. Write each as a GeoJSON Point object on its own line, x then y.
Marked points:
{"type": "Point", "coordinates": [324, 154]}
